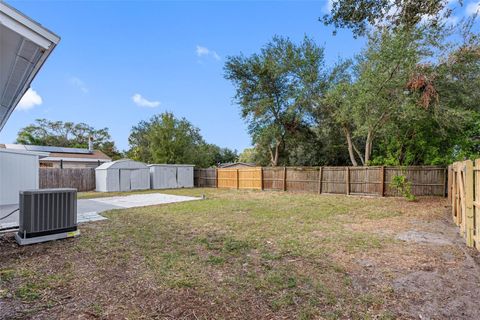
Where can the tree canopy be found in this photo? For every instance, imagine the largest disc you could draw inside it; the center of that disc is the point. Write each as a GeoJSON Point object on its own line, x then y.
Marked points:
{"type": "Point", "coordinates": [358, 15]}
{"type": "Point", "coordinates": [167, 139]}
{"type": "Point", "coordinates": [275, 89]}
{"type": "Point", "coordinates": [409, 97]}
{"type": "Point", "coordinates": [67, 134]}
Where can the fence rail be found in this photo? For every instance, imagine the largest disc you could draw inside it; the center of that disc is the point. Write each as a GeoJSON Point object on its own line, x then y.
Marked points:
{"type": "Point", "coordinates": [83, 179]}
{"type": "Point", "coordinates": [425, 180]}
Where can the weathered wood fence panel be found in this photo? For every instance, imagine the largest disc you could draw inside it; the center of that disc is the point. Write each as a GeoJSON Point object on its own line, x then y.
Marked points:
{"type": "Point", "coordinates": [273, 178]}
{"type": "Point", "coordinates": [426, 180]}
{"type": "Point", "coordinates": [334, 180]}
{"type": "Point", "coordinates": [205, 178]}
{"type": "Point", "coordinates": [301, 179]}
{"type": "Point", "coordinates": [366, 180]}
{"type": "Point", "coordinates": [83, 179]}
{"type": "Point", "coordinates": [373, 181]}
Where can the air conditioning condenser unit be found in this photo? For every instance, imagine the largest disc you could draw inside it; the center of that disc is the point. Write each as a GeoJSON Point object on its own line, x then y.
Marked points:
{"type": "Point", "coordinates": [47, 214]}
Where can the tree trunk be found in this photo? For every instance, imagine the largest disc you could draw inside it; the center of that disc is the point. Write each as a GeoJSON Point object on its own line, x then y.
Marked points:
{"type": "Point", "coordinates": [368, 147]}
{"type": "Point", "coordinates": [358, 154]}
{"type": "Point", "coordinates": [274, 154]}
{"type": "Point", "coordinates": [350, 146]}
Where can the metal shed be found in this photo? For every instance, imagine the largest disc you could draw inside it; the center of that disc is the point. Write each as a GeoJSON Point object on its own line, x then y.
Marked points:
{"type": "Point", "coordinates": [169, 176]}
{"type": "Point", "coordinates": [184, 176]}
{"type": "Point", "coordinates": [122, 175]}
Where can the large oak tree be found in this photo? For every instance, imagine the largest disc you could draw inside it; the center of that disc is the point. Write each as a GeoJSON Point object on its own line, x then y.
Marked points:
{"type": "Point", "coordinates": [275, 90]}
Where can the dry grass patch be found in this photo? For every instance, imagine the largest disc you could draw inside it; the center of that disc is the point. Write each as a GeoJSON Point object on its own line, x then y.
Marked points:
{"type": "Point", "coordinates": [238, 254]}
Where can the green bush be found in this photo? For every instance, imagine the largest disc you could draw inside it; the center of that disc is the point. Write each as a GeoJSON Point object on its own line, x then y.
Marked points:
{"type": "Point", "coordinates": [403, 186]}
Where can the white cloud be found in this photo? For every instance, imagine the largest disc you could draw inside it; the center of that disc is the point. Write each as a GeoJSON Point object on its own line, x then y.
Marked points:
{"type": "Point", "coordinates": [202, 51]}
{"type": "Point", "coordinates": [452, 20]}
{"type": "Point", "coordinates": [29, 100]}
{"type": "Point", "coordinates": [79, 83]}
{"type": "Point", "coordinates": [328, 6]}
{"type": "Point", "coordinates": [205, 52]}
{"type": "Point", "coordinates": [472, 8]}
{"type": "Point", "coordinates": [142, 102]}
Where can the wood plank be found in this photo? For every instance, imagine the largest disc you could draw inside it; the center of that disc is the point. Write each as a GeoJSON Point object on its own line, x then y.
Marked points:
{"type": "Point", "coordinates": [347, 180]}
{"type": "Point", "coordinates": [320, 177]}
{"type": "Point", "coordinates": [469, 225]}
{"type": "Point", "coordinates": [382, 181]}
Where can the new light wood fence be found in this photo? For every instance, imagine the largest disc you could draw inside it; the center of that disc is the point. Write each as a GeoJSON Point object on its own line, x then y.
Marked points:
{"type": "Point", "coordinates": [464, 197]}
{"type": "Point", "coordinates": [83, 179]}
{"type": "Point", "coordinates": [425, 180]}
{"type": "Point", "coordinates": [244, 178]}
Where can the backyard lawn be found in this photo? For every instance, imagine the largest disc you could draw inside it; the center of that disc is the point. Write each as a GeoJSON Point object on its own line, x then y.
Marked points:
{"type": "Point", "coordinates": [250, 255]}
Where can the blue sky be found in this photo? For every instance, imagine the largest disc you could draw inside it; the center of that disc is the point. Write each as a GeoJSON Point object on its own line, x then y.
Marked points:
{"type": "Point", "coordinates": [121, 62]}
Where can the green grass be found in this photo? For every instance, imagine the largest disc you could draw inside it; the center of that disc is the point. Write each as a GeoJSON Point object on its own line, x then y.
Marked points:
{"type": "Point", "coordinates": [277, 250]}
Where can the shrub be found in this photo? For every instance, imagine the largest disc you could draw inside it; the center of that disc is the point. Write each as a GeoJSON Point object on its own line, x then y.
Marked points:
{"type": "Point", "coordinates": [403, 186]}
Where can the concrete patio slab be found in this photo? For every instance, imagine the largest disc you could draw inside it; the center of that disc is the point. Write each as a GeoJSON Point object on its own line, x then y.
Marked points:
{"type": "Point", "coordinates": [89, 209]}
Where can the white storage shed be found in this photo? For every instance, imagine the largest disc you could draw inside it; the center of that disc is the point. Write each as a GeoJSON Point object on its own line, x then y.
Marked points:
{"type": "Point", "coordinates": [122, 175]}
{"type": "Point", "coordinates": [18, 171]}
{"type": "Point", "coordinates": [170, 176]}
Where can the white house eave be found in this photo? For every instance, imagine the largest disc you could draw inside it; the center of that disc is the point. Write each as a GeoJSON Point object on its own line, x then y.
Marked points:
{"type": "Point", "coordinates": [26, 27]}
{"type": "Point", "coordinates": [30, 31]}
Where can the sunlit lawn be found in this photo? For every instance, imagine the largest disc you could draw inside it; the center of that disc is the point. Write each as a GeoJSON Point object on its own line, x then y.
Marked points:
{"type": "Point", "coordinates": [237, 254]}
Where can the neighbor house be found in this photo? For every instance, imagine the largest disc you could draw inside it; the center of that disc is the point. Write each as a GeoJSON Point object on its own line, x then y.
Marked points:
{"type": "Point", "coordinates": [59, 157]}
{"type": "Point", "coordinates": [234, 165]}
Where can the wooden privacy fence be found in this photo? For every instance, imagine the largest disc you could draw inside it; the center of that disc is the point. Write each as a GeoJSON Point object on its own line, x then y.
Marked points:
{"type": "Point", "coordinates": [83, 179]}
{"type": "Point", "coordinates": [244, 178]}
{"type": "Point", "coordinates": [205, 177]}
{"type": "Point", "coordinates": [464, 197]}
{"type": "Point", "coordinates": [425, 180]}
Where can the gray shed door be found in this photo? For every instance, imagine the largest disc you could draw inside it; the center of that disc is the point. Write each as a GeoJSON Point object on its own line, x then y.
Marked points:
{"type": "Point", "coordinates": [170, 177]}
{"type": "Point", "coordinates": [136, 181]}
{"type": "Point", "coordinates": [185, 177]}
{"type": "Point", "coordinates": [124, 180]}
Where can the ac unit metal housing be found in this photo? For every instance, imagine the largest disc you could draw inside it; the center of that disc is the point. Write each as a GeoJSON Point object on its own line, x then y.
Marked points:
{"type": "Point", "coordinates": [47, 214]}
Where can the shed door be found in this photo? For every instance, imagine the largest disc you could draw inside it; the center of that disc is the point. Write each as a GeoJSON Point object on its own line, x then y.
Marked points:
{"type": "Point", "coordinates": [170, 177]}
{"type": "Point", "coordinates": [185, 177]}
{"type": "Point", "coordinates": [124, 180]}
{"type": "Point", "coordinates": [136, 180]}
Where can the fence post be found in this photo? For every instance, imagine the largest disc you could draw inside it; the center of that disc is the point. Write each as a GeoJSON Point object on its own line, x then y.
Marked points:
{"type": "Point", "coordinates": [476, 211]}
{"type": "Point", "coordinates": [261, 177]}
{"type": "Point", "coordinates": [382, 181]}
{"type": "Point", "coordinates": [284, 178]}
{"type": "Point", "coordinates": [450, 182]}
{"type": "Point", "coordinates": [216, 178]}
{"type": "Point", "coordinates": [445, 182]}
{"type": "Point", "coordinates": [469, 202]}
{"type": "Point", "coordinates": [238, 182]}
{"type": "Point", "coordinates": [347, 180]}
{"type": "Point", "coordinates": [320, 176]}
